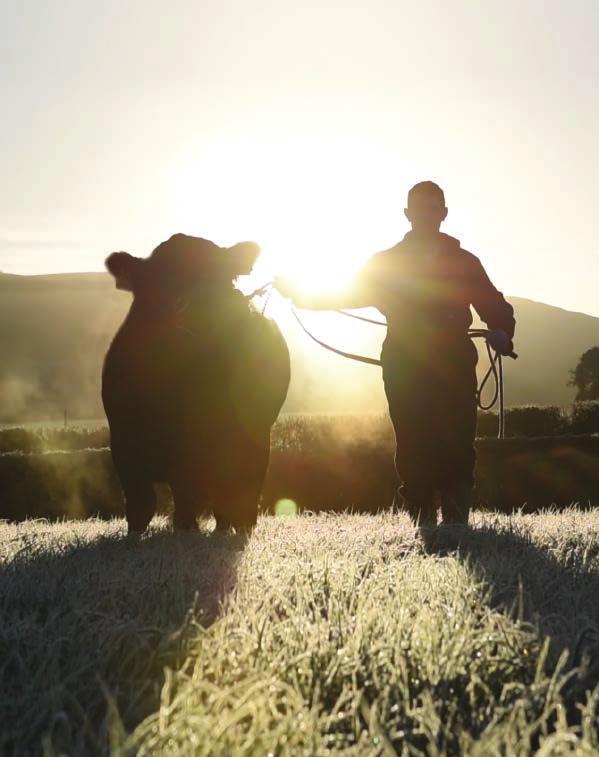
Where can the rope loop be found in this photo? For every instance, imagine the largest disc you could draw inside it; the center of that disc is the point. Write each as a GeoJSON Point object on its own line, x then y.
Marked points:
{"type": "Point", "coordinates": [495, 363]}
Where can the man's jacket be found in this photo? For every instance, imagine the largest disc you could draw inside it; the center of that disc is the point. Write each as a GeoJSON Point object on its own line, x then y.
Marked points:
{"type": "Point", "coordinates": [425, 291]}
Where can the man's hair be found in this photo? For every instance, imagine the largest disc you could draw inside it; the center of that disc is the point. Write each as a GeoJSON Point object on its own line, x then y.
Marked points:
{"type": "Point", "coordinates": [426, 188]}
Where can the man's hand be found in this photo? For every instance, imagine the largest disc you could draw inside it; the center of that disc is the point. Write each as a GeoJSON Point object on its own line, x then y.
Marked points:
{"type": "Point", "coordinates": [500, 342]}
{"type": "Point", "coordinates": [319, 300]}
{"type": "Point", "coordinates": [285, 287]}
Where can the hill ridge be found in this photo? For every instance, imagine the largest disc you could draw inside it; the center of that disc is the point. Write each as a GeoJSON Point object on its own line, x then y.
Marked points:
{"type": "Point", "coordinates": [55, 329]}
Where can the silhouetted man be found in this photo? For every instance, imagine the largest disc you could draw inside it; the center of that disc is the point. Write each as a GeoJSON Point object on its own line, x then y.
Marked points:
{"type": "Point", "coordinates": [425, 285]}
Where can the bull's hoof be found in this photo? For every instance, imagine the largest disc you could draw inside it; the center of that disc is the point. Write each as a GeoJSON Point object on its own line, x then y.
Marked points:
{"type": "Point", "coordinates": [245, 530]}
{"type": "Point", "coordinates": [455, 520]}
{"type": "Point", "coordinates": [188, 527]}
{"type": "Point", "coordinates": [223, 527]}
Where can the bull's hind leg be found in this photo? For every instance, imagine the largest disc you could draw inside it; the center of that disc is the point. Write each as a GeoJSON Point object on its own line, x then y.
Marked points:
{"type": "Point", "coordinates": [186, 496]}
{"type": "Point", "coordinates": [247, 513]}
{"type": "Point", "coordinates": [245, 487]}
{"type": "Point", "coordinates": [140, 504]}
{"type": "Point", "coordinates": [134, 472]}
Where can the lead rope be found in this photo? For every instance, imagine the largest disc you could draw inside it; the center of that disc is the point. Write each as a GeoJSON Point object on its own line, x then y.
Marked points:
{"type": "Point", "coordinates": [495, 360]}
{"type": "Point", "coordinates": [259, 293]}
{"type": "Point", "coordinates": [495, 364]}
{"type": "Point", "coordinates": [350, 355]}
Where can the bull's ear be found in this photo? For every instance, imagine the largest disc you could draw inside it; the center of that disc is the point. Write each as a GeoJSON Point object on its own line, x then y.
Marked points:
{"type": "Point", "coordinates": [124, 268]}
{"type": "Point", "coordinates": [242, 256]}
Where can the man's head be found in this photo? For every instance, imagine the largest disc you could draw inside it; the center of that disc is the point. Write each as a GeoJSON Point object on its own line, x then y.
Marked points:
{"type": "Point", "coordinates": [426, 209]}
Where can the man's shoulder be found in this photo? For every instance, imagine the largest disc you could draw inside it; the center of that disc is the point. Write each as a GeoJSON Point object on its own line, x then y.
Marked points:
{"type": "Point", "coordinates": [389, 254]}
{"type": "Point", "coordinates": [453, 245]}
{"type": "Point", "coordinates": [383, 261]}
{"type": "Point", "coordinates": [392, 254]}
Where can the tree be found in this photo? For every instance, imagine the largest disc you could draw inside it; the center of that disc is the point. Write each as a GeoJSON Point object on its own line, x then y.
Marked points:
{"type": "Point", "coordinates": [586, 376]}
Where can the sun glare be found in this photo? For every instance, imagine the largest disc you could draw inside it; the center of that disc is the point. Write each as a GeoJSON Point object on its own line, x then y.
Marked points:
{"type": "Point", "coordinates": [311, 206]}
{"type": "Point", "coordinates": [319, 210]}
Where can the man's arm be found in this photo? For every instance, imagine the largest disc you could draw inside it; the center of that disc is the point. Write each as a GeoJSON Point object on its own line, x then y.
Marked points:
{"type": "Point", "coordinates": [358, 293]}
{"type": "Point", "coordinates": [345, 298]}
{"type": "Point", "coordinates": [490, 303]}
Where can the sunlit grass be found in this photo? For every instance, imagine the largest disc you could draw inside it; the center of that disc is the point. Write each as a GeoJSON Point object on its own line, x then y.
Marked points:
{"type": "Point", "coordinates": [321, 634]}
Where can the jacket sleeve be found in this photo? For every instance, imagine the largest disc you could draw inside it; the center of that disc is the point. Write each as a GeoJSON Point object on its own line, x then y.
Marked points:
{"type": "Point", "coordinates": [489, 302]}
{"type": "Point", "coordinates": [348, 297]}
{"type": "Point", "coordinates": [360, 292]}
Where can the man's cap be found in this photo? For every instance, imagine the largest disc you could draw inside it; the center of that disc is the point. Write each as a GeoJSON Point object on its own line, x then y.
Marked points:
{"type": "Point", "coordinates": [426, 188]}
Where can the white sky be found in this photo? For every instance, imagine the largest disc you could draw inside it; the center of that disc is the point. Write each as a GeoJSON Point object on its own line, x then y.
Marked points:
{"type": "Point", "coordinates": [303, 127]}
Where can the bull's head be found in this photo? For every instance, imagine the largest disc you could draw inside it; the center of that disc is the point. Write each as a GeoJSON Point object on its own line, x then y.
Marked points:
{"type": "Point", "coordinates": [180, 267]}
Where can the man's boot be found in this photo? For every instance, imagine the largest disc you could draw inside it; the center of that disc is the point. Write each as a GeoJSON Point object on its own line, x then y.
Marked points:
{"type": "Point", "coordinates": [422, 510]}
{"type": "Point", "coordinates": [455, 505]}
{"type": "Point", "coordinates": [426, 516]}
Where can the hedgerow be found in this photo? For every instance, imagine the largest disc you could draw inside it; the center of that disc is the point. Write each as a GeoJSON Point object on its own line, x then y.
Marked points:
{"type": "Point", "coordinates": [317, 472]}
{"type": "Point", "coordinates": [318, 430]}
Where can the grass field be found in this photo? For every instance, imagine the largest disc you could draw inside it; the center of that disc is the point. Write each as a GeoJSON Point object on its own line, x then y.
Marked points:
{"type": "Point", "coordinates": [323, 634]}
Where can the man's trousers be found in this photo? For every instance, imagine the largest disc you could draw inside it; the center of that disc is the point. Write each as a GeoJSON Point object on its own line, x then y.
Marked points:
{"type": "Point", "coordinates": [433, 407]}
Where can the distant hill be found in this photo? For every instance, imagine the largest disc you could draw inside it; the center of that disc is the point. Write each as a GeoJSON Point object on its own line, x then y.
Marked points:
{"type": "Point", "coordinates": [549, 342]}
{"type": "Point", "coordinates": [55, 329]}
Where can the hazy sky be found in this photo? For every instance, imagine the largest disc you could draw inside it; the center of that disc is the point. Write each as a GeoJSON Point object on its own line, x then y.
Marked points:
{"type": "Point", "coordinates": [303, 126]}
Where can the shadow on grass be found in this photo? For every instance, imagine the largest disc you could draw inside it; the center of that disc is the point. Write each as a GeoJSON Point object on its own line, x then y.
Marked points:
{"type": "Point", "coordinates": [553, 586]}
{"type": "Point", "coordinates": [89, 621]}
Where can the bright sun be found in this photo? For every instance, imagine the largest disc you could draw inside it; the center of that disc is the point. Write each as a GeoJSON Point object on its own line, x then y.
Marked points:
{"type": "Point", "coordinates": [317, 210]}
